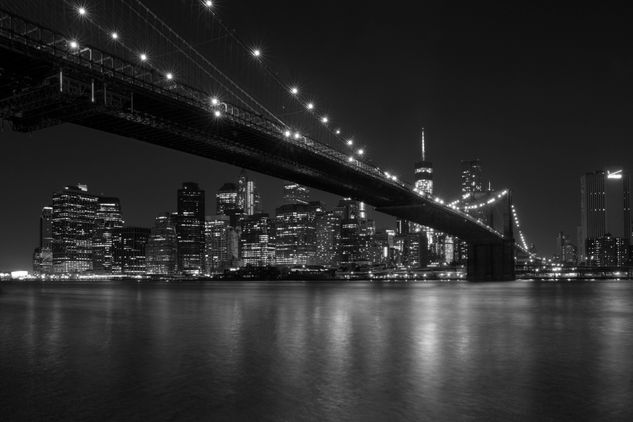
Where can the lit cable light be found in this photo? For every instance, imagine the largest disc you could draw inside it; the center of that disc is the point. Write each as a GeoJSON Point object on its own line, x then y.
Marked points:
{"type": "Point", "coordinates": [73, 44]}
{"type": "Point", "coordinates": [324, 119]}
{"type": "Point", "coordinates": [257, 52]}
{"type": "Point", "coordinates": [169, 76]}
{"type": "Point", "coordinates": [217, 113]}
{"type": "Point", "coordinates": [294, 90]}
{"type": "Point", "coordinates": [143, 57]}
{"type": "Point", "coordinates": [310, 106]}
{"type": "Point", "coordinates": [215, 101]}
{"type": "Point", "coordinates": [114, 35]}
{"type": "Point", "coordinates": [81, 10]}
{"type": "Point", "coordinates": [337, 131]}
{"type": "Point", "coordinates": [350, 142]}
{"type": "Point", "coordinates": [208, 4]}
{"type": "Point", "coordinates": [350, 158]}
{"type": "Point", "coordinates": [360, 151]}
{"type": "Point", "coordinates": [287, 134]}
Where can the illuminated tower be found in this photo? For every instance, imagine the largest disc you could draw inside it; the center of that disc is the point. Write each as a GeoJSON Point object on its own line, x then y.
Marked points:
{"type": "Point", "coordinates": [424, 172]}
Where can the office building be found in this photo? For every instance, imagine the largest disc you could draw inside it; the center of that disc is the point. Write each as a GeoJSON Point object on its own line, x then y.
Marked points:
{"type": "Point", "coordinates": [107, 220]}
{"type": "Point", "coordinates": [129, 250]}
{"type": "Point", "coordinates": [248, 198]}
{"type": "Point", "coordinates": [295, 233]}
{"type": "Point", "coordinates": [227, 200]}
{"type": "Point", "coordinates": [328, 237]}
{"type": "Point", "coordinates": [190, 229]}
{"type": "Point", "coordinates": [221, 238]}
{"type": "Point", "coordinates": [43, 255]}
{"type": "Point", "coordinates": [257, 240]}
{"type": "Point", "coordinates": [73, 227]}
{"type": "Point", "coordinates": [295, 193]}
{"type": "Point", "coordinates": [605, 214]}
{"type": "Point", "coordinates": [161, 251]}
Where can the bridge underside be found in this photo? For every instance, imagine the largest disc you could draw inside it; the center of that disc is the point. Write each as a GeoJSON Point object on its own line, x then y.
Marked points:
{"type": "Point", "coordinates": [37, 90]}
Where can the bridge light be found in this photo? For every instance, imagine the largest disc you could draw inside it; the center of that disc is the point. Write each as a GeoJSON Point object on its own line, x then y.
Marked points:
{"type": "Point", "coordinates": [337, 131]}
{"type": "Point", "coordinates": [388, 175]}
{"type": "Point", "coordinates": [310, 106]}
{"type": "Point", "coordinates": [257, 52]}
{"type": "Point", "coordinates": [350, 142]}
{"type": "Point", "coordinates": [361, 151]}
{"type": "Point", "coordinates": [297, 135]}
{"type": "Point", "coordinates": [324, 119]}
{"type": "Point", "coordinates": [114, 35]}
{"type": "Point", "coordinates": [287, 134]}
{"type": "Point", "coordinates": [143, 57]}
{"type": "Point", "coordinates": [350, 158]}
{"type": "Point", "coordinates": [73, 44]}
{"type": "Point", "coordinates": [82, 11]}
{"type": "Point", "coordinates": [394, 178]}
{"type": "Point", "coordinates": [169, 76]}
{"type": "Point", "coordinates": [215, 101]}
{"type": "Point", "coordinates": [208, 4]}
{"type": "Point", "coordinates": [294, 90]}
{"type": "Point", "coordinates": [217, 113]}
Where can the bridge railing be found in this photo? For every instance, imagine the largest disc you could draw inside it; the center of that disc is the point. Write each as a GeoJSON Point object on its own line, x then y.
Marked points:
{"type": "Point", "coordinates": [31, 34]}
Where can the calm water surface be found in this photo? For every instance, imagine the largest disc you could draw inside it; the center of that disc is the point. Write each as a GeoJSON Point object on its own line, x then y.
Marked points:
{"type": "Point", "coordinates": [315, 351]}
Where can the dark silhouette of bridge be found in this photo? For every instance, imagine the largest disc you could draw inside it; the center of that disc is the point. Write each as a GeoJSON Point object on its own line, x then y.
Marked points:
{"type": "Point", "coordinates": [47, 79]}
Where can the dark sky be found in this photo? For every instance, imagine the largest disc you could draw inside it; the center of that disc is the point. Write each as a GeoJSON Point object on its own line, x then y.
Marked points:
{"type": "Point", "coordinates": [539, 93]}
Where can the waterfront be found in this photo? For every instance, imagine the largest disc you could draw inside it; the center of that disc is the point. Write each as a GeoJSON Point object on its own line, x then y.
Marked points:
{"type": "Point", "coordinates": [318, 351]}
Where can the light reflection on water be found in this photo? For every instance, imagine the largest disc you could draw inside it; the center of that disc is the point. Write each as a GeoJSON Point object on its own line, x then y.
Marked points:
{"type": "Point", "coordinates": [318, 351]}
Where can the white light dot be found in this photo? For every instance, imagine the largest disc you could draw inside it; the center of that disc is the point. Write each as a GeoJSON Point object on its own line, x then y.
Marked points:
{"type": "Point", "coordinates": [215, 101]}
{"type": "Point", "coordinates": [82, 11]}
{"type": "Point", "coordinates": [208, 3]}
{"type": "Point", "coordinates": [350, 159]}
{"type": "Point", "coordinates": [73, 44]}
{"type": "Point", "coordinates": [287, 134]}
{"type": "Point", "coordinates": [169, 76]}
{"type": "Point", "coordinates": [338, 131]}
{"type": "Point", "coordinates": [324, 119]}
{"type": "Point", "coordinates": [143, 57]}
{"type": "Point", "coordinates": [114, 36]}
{"type": "Point", "coordinates": [257, 52]}
{"type": "Point", "coordinates": [310, 106]}
{"type": "Point", "coordinates": [361, 151]}
{"type": "Point", "coordinates": [294, 90]}
{"type": "Point", "coordinates": [350, 142]}
{"type": "Point", "coordinates": [217, 113]}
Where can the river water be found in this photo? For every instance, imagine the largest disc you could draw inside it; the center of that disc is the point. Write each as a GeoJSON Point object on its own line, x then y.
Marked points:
{"type": "Point", "coordinates": [296, 351]}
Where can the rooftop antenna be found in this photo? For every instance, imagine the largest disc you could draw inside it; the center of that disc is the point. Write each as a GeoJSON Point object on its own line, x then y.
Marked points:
{"type": "Point", "coordinates": [423, 147]}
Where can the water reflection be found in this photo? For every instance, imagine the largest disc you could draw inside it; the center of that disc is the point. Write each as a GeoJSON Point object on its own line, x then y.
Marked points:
{"type": "Point", "coordinates": [293, 351]}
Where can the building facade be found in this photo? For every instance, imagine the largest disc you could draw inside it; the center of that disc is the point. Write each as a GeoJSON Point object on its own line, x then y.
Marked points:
{"type": "Point", "coordinates": [190, 229]}
{"type": "Point", "coordinates": [161, 251]}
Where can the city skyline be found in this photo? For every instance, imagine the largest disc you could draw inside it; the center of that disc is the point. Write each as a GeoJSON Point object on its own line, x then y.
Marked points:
{"type": "Point", "coordinates": [482, 100]}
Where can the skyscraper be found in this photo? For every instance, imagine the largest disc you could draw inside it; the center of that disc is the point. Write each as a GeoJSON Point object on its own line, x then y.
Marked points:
{"type": "Point", "coordinates": [470, 177]}
{"type": "Point", "coordinates": [190, 229]}
{"type": "Point", "coordinates": [257, 240]}
{"type": "Point", "coordinates": [226, 199]}
{"type": "Point", "coordinates": [162, 246]}
{"type": "Point", "coordinates": [219, 253]}
{"type": "Point", "coordinates": [295, 193]}
{"type": "Point", "coordinates": [43, 255]}
{"type": "Point", "coordinates": [248, 198]}
{"type": "Point", "coordinates": [74, 211]}
{"type": "Point", "coordinates": [295, 233]}
{"type": "Point", "coordinates": [424, 171]}
{"type": "Point", "coordinates": [328, 237]}
{"type": "Point", "coordinates": [605, 215]}
{"type": "Point", "coordinates": [107, 220]}
{"type": "Point", "coordinates": [129, 250]}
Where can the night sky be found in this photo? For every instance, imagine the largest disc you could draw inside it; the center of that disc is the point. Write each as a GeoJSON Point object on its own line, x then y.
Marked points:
{"type": "Point", "coordinates": [539, 94]}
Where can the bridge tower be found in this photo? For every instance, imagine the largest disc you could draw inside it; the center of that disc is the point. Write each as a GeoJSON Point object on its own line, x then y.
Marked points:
{"type": "Point", "coordinates": [494, 260]}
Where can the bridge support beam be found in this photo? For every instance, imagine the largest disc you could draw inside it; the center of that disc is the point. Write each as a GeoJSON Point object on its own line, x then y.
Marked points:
{"type": "Point", "coordinates": [491, 261]}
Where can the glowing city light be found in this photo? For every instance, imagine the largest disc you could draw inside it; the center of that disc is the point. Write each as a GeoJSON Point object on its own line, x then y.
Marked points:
{"type": "Point", "coordinates": [257, 52]}
{"type": "Point", "coordinates": [310, 106]}
{"type": "Point", "coordinates": [294, 90]}
{"type": "Point", "coordinates": [215, 101]}
{"type": "Point", "coordinates": [169, 76]}
{"type": "Point", "coordinates": [287, 134]}
{"type": "Point", "coordinates": [337, 131]}
{"type": "Point", "coordinates": [361, 151]}
{"type": "Point", "coordinates": [73, 44]}
{"type": "Point", "coordinates": [208, 3]}
{"type": "Point", "coordinates": [324, 119]}
{"type": "Point", "coordinates": [217, 113]}
{"type": "Point", "coordinates": [143, 57]}
{"type": "Point", "coordinates": [82, 11]}
{"type": "Point", "coordinates": [350, 159]}
{"type": "Point", "coordinates": [114, 35]}
{"type": "Point", "coordinates": [297, 135]}
{"type": "Point", "coordinates": [350, 142]}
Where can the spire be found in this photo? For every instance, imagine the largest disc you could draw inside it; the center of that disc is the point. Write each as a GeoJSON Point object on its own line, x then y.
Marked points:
{"type": "Point", "coordinates": [423, 147]}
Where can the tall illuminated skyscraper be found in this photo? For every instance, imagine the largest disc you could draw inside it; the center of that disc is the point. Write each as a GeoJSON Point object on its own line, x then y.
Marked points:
{"type": "Point", "coordinates": [74, 211]}
{"type": "Point", "coordinates": [162, 246]}
{"type": "Point", "coordinates": [190, 229]}
{"type": "Point", "coordinates": [107, 220]}
{"type": "Point", "coordinates": [470, 177]}
{"type": "Point", "coordinates": [43, 255]}
{"type": "Point", "coordinates": [605, 217]}
{"type": "Point", "coordinates": [295, 193]}
{"type": "Point", "coordinates": [248, 198]}
{"type": "Point", "coordinates": [424, 171]}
